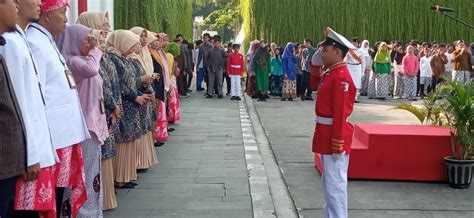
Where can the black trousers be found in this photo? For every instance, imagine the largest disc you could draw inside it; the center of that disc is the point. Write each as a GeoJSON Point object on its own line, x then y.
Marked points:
{"type": "Point", "coordinates": [299, 79]}
{"type": "Point", "coordinates": [305, 86]}
{"type": "Point", "coordinates": [189, 76]}
{"type": "Point", "coordinates": [7, 196]}
{"type": "Point", "coordinates": [434, 82]}
{"type": "Point", "coordinates": [227, 81]}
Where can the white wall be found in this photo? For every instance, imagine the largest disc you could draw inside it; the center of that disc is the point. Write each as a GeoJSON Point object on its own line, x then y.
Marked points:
{"type": "Point", "coordinates": [93, 5]}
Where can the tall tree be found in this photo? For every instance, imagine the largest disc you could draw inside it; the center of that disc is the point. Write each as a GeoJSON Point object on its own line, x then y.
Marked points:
{"type": "Point", "coordinates": [170, 16]}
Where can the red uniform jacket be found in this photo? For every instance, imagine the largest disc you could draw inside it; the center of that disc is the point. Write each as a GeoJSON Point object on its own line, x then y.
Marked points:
{"type": "Point", "coordinates": [334, 104]}
{"type": "Point", "coordinates": [235, 64]}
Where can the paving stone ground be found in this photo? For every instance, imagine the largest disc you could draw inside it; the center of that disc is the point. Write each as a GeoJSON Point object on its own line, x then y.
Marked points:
{"type": "Point", "coordinates": [201, 171]}
{"type": "Point", "coordinates": [290, 126]}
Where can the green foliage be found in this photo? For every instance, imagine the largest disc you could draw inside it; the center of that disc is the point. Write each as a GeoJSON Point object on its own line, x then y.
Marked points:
{"type": "Point", "coordinates": [282, 20]}
{"type": "Point", "coordinates": [457, 103]}
{"type": "Point", "coordinates": [452, 106]}
{"type": "Point", "coordinates": [169, 16]}
{"type": "Point", "coordinates": [429, 113]}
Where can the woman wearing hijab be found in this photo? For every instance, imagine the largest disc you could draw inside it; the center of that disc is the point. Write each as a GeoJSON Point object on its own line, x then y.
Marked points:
{"type": "Point", "coordinates": [121, 45]}
{"type": "Point", "coordinates": [146, 149]}
{"type": "Point", "coordinates": [112, 103]}
{"type": "Point", "coordinates": [367, 66]}
{"type": "Point", "coordinates": [262, 68]}
{"type": "Point", "coordinates": [250, 88]}
{"type": "Point", "coordinates": [79, 48]}
{"type": "Point", "coordinates": [172, 51]}
{"type": "Point", "coordinates": [161, 124]}
{"type": "Point", "coordinates": [289, 68]}
{"type": "Point", "coordinates": [382, 71]}
{"type": "Point", "coordinates": [96, 21]}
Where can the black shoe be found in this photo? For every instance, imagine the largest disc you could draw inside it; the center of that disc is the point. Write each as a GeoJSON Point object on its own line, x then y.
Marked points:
{"type": "Point", "coordinates": [283, 99]}
{"type": "Point", "coordinates": [254, 96]}
{"type": "Point", "coordinates": [171, 129]}
{"type": "Point", "coordinates": [290, 99]}
{"type": "Point", "coordinates": [208, 96]}
{"type": "Point", "coordinates": [266, 96]}
{"type": "Point", "coordinates": [303, 98]}
{"type": "Point", "coordinates": [232, 98]}
{"type": "Point", "coordinates": [200, 89]}
{"type": "Point", "coordinates": [140, 171]}
{"type": "Point", "coordinates": [220, 96]}
{"type": "Point", "coordinates": [309, 98]}
{"type": "Point", "coordinates": [228, 94]}
{"type": "Point", "coordinates": [238, 99]}
{"type": "Point", "coordinates": [125, 186]}
{"type": "Point", "coordinates": [159, 144]}
{"type": "Point", "coordinates": [356, 101]}
{"type": "Point", "coordinates": [382, 99]}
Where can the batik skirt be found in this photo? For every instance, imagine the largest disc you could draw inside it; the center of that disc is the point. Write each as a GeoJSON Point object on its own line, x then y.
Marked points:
{"type": "Point", "coordinates": [289, 89]}
{"type": "Point", "coordinates": [161, 131]}
{"type": "Point", "coordinates": [40, 195]}
{"type": "Point", "coordinates": [174, 105]}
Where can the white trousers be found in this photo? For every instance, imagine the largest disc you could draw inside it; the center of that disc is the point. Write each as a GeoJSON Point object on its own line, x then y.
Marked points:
{"type": "Point", "coordinates": [235, 85]}
{"type": "Point", "coordinates": [334, 181]}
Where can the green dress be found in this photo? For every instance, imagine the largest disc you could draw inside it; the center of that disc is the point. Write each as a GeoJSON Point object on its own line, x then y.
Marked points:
{"type": "Point", "coordinates": [262, 70]}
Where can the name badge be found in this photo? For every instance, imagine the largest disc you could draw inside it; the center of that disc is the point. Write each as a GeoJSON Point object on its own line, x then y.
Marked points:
{"type": "Point", "coordinates": [102, 106]}
{"type": "Point", "coordinates": [70, 79]}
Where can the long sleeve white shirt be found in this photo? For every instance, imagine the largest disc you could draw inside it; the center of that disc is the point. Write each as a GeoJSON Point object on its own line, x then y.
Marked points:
{"type": "Point", "coordinates": [25, 81]}
{"type": "Point", "coordinates": [63, 109]}
{"type": "Point", "coordinates": [425, 67]}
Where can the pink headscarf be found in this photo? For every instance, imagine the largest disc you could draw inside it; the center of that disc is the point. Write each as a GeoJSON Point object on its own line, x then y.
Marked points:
{"type": "Point", "coordinates": [51, 5]}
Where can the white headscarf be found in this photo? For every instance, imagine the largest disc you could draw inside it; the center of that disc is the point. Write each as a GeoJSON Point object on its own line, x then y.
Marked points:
{"type": "Point", "coordinates": [365, 51]}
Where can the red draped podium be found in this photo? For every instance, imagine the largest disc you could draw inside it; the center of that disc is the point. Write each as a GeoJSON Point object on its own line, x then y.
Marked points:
{"type": "Point", "coordinates": [398, 152]}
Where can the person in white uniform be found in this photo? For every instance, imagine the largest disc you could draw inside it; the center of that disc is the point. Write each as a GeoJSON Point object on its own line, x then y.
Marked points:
{"type": "Point", "coordinates": [355, 62]}
{"type": "Point", "coordinates": [63, 110]}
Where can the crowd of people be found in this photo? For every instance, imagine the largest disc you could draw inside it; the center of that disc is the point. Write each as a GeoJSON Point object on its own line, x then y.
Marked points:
{"type": "Point", "coordinates": [388, 70]}
{"type": "Point", "coordinates": [82, 107]}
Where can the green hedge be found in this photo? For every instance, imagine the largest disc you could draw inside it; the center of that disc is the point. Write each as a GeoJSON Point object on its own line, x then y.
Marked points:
{"type": "Point", "coordinates": [169, 16]}
{"type": "Point", "coordinates": [283, 20]}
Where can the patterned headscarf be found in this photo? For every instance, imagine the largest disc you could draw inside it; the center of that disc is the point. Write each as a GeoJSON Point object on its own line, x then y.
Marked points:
{"type": "Point", "coordinates": [51, 5]}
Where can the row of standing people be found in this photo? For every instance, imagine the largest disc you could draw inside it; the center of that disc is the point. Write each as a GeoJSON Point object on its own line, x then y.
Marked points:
{"type": "Point", "coordinates": [284, 73]}
{"type": "Point", "coordinates": [83, 111]}
{"type": "Point", "coordinates": [409, 71]}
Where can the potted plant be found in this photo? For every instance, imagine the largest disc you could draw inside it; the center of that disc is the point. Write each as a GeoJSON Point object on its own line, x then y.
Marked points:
{"type": "Point", "coordinates": [451, 106]}
{"type": "Point", "coordinates": [457, 105]}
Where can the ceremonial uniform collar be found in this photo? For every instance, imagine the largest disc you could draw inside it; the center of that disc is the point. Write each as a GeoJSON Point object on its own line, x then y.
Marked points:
{"type": "Point", "coordinates": [333, 67]}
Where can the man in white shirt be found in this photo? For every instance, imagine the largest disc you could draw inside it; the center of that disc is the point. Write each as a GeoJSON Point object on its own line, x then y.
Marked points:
{"type": "Point", "coordinates": [28, 89]}
{"type": "Point", "coordinates": [425, 72]}
{"type": "Point", "coordinates": [448, 66]}
{"type": "Point", "coordinates": [63, 110]}
{"type": "Point", "coordinates": [354, 62]}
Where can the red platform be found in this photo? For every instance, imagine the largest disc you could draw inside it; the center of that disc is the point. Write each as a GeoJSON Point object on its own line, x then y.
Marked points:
{"type": "Point", "coordinates": [398, 152]}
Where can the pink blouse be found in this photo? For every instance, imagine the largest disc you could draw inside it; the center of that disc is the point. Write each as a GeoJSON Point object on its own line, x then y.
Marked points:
{"type": "Point", "coordinates": [89, 86]}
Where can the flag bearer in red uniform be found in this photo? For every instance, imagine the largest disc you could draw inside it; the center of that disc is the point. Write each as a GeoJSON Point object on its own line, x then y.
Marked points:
{"type": "Point", "coordinates": [333, 134]}
{"type": "Point", "coordinates": [235, 69]}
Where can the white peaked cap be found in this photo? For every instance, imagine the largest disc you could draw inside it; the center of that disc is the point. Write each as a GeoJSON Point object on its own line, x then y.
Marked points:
{"type": "Point", "coordinates": [335, 39]}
